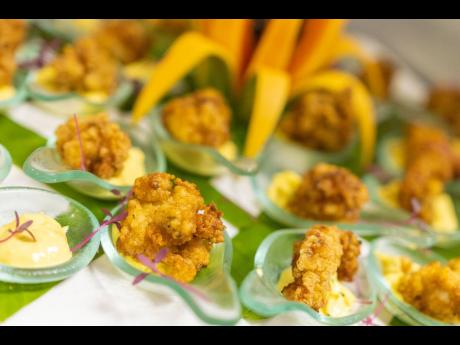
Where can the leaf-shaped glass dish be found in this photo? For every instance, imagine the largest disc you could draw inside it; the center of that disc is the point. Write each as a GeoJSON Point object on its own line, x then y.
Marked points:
{"type": "Point", "coordinates": [221, 305]}
{"type": "Point", "coordinates": [372, 214]}
{"type": "Point", "coordinates": [395, 305]}
{"type": "Point", "coordinates": [68, 103]}
{"type": "Point", "coordinates": [63, 28]}
{"type": "Point", "coordinates": [199, 159]}
{"type": "Point", "coordinates": [439, 239]}
{"type": "Point", "coordinates": [66, 212]}
{"type": "Point", "coordinates": [20, 81]}
{"type": "Point", "coordinates": [259, 290]}
{"type": "Point", "coordinates": [45, 164]}
{"type": "Point", "coordinates": [5, 163]}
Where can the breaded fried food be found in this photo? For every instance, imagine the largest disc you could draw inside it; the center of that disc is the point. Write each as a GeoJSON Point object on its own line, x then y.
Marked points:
{"type": "Point", "coordinates": [105, 145]}
{"type": "Point", "coordinates": [317, 260]}
{"type": "Point", "coordinates": [444, 101]}
{"type": "Point", "coordinates": [126, 40]}
{"type": "Point", "coordinates": [167, 212]}
{"type": "Point", "coordinates": [429, 165]}
{"type": "Point", "coordinates": [12, 34]}
{"type": "Point", "coordinates": [202, 117]}
{"type": "Point", "coordinates": [320, 120]}
{"type": "Point", "coordinates": [82, 67]}
{"type": "Point", "coordinates": [434, 290]}
{"type": "Point", "coordinates": [329, 192]}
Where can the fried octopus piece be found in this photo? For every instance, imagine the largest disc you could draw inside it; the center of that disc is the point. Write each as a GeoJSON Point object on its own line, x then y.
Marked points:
{"type": "Point", "coordinates": [202, 117]}
{"type": "Point", "coordinates": [321, 120]}
{"type": "Point", "coordinates": [126, 40]}
{"type": "Point", "coordinates": [429, 165]}
{"type": "Point", "coordinates": [105, 145]}
{"type": "Point", "coordinates": [386, 69]}
{"type": "Point", "coordinates": [445, 102]}
{"type": "Point", "coordinates": [434, 290]}
{"type": "Point", "coordinates": [84, 67]}
{"type": "Point", "coordinates": [318, 259]}
{"type": "Point", "coordinates": [328, 192]}
{"type": "Point", "coordinates": [166, 211]}
{"type": "Point", "coordinates": [12, 34]}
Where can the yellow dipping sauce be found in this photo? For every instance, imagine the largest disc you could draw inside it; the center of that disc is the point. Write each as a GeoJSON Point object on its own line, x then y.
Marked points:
{"type": "Point", "coordinates": [7, 92]}
{"type": "Point", "coordinates": [444, 215]}
{"type": "Point", "coordinates": [228, 150]}
{"type": "Point", "coordinates": [50, 248]}
{"type": "Point", "coordinates": [133, 168]}
{"type": "Point", "coordinates": [283, 186]}
{"type": "Point", "coordinates": [341, 299]}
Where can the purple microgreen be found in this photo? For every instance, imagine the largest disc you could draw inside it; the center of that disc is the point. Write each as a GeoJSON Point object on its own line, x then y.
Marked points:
{"type": "Point", "coordinates": [380, 174]}
{"type": "Point", "coordinates": [416, 206]}
{"type": "Point", "coordinates": [370, 320]}
{"type": "Point", "coordinates": [44, 56]}
{"type": "Point", "coordinates": [116, 192]}
{"type": "Point", "coordinates": [19, 228]}
{"type": "Point", "coordinates": [82, 154]}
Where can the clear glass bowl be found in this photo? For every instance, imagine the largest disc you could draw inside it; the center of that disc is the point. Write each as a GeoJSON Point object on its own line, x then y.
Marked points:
{"type": "Point", "coordinates": [20, 81]}
{"type": "Point", "coordinates": [396, 306]}
{"type": "Point", "coordinates": [259, 291]}
{"type": "Point", "coordinates": [199, 159]}
{"type": "Point", "coordinates": [65, 211]}
{"type": "Point", "coordinates": [221, 306]}
{"type": "Point", "coordinates": [396, 214]}
{"type": "Point", "coordinates": [69, 103]}
{"type": "Point", "coordinates": [5, 163]}
{"type": "Point", "coordinates": [370, 223]}
{"type": "Point", "coordinates": [45, 164]}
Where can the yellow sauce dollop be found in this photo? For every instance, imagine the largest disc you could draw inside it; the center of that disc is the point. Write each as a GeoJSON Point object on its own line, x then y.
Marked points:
{"type": "Point", "coordinates": [7, 92]}
{"type": "Point", "coordinates": [341, 299]}
{"type": "Point", "coordinates": [133, 168]}
{"type": "Point", "coordinates": [50, 248]}
{"type": "Point", "coordinates": [228, 150]}
{"type": "Point", "coordinates": [444, 215]}
{"type": "Point", "coordinates": [283, 186]}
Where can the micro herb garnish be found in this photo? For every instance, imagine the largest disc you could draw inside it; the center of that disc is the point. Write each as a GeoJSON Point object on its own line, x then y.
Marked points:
{"type": "Point", "coordinates": [43, 57]}
{"type": "Point", "coordinates": [82, 154]}
{"type": "Point", "coordinates": [24, 227]}
{"type": "Point", "coordinates": [370, 320]}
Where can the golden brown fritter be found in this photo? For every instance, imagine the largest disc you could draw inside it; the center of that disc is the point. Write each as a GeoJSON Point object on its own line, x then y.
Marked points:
{"type": "Point", "coordinates": [166, 211]}
{"type": "Point", "coordinates": [430, 163]}
{"type": "Point", "coordinates": [317, 260]}
{"type": "Point", "coordinates": [202, 117]}
{"type": "Point", "coordinates": [12, 34]}
{"type": "Point", "coordinates": [321, 120]}
{"type": "Point", "coordinates": [434, 290]}
{"type": "Point", "coordinates": [445, 102]}
{"type": "Point", "coordinates": [126, 40]}
{"type": "Point", "coordinates": [454, 265]}
{"type": "Point", "coordinates": [84, 67]}
{"type": "Point", "coordinates": [386, 69]}
{"type": "Point", "coordinates": [328, 192]}
{"type": "Point", "coordinates": [105, 145]}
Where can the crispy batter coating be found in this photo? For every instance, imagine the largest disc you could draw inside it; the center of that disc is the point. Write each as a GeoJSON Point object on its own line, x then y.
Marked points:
{"type": "Point", "coordinates": [429, 165]}
{"type": "Point", "coordinates": [166, 211]}
{"type": "Point", "coordinates": [105, 145]}
{"type": "Point", "coordinates": [386, 69]}
{"type": "Point", "coordinates": [126, 40]}
{"type": "Point", "coordinates": [12, 34]}
{"type": "Point", "coordinates": [202, 117]}
{"type": "Point", "coordinates": [321, 120]}
{"type": "Point", "coordinates": [445, 102]}
{"type": "Point", "coordinates": [323, 254]}
{"type": "Point", "coordinates": [434, 290]}
{"type": "Point", "coordinates": [84, 67]}
{"type": "Point", "coordinates": [328, 192]}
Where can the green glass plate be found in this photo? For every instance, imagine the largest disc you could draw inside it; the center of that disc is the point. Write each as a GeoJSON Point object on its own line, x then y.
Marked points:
{"type": "Point", "coordinates": [45, 164]}
{"type": "Point", "coordinates": [5, 163]}
{"type": "Point", "coordinates": [66, 212]}
{"type": "Point", "coordinates": [20, 81]}
{"type": "Point", "coordinates": [259, 291]}
{"type": "Point", "coordinates": [396, 306]}
{"type": "Point", "coordinates": [220, 305]}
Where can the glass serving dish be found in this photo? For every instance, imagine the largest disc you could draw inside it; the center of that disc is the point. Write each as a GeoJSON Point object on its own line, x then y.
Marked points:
{"type": "Point", "coordinates": [199, 159]}
{"type": "Point", "coordinates": [5, 163]}
{"type": "Point", "coordinates": [395, 305]}
{"type": "Point", "coordinates": [372, 214]}
{"type": "Point", "coordinates": [65, 29]}
{"type": "Point", "coordinates": [259, 291]}
{"type": "Point", "coordinates": [45, 164]}
{"type": "Point", "coordinates": [396, 214]}
{"type": "Point", "coordinates": [66, 212]}
{"type": "Point", "coordinates": [68, 103]}
{"type": "Point", "coordinates": [20, 81]}
{"type": "Point", "coordinates": [220, 306]}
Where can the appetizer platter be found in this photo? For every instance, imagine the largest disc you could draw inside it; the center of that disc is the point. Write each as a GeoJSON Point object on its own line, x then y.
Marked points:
{"type": "Point", "coordinates": [224, 171]}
